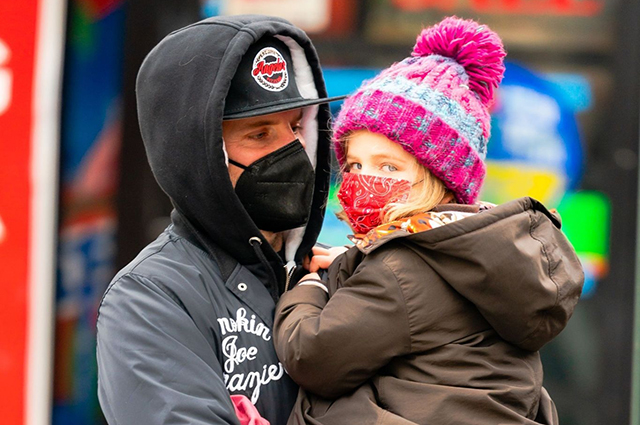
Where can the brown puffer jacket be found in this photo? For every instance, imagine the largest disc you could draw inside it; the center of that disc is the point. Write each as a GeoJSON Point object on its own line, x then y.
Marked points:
{"type": "Point", "coordinates": [438, 327]}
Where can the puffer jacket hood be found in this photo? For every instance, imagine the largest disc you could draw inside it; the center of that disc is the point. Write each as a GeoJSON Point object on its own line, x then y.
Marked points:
{"type": "Point", "coordinates": [181, 90]}
{"type": "Point", "coordinates": [490, 258]}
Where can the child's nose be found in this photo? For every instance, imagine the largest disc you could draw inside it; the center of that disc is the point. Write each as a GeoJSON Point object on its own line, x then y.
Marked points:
{"type": "Point", "coordinates": [290, 136]}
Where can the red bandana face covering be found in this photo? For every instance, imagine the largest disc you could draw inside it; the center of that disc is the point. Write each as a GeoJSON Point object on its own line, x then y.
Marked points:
{"type": "Point", "coordinates": [364, 197]}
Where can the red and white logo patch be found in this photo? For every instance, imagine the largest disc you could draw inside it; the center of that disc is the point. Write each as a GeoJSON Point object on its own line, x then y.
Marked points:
{"type": "Point", "coordinates": [270, 70]}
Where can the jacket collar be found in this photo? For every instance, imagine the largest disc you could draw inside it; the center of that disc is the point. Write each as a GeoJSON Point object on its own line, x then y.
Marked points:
{"type": "Point", "coordinates": [226, 263]}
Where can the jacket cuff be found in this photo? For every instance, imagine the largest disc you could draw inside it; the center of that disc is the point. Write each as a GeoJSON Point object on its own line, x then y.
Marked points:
{"type": "Point", "coordinates": [305, 294]}
{"type": "Point", "coordinates": [314, 282]}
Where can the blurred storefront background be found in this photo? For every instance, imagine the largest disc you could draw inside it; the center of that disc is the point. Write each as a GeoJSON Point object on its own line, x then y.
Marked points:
{"type": "Point", "coordinates": [565, 131]}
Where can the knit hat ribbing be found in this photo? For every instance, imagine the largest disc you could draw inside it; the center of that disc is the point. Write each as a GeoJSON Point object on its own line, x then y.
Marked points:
{"type": "Point", "coordinates": [435, 103]}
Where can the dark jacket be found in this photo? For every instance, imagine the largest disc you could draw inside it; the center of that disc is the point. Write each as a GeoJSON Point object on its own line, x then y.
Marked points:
{"type": "Point", "coordinates": [189, 320]}
{"type": "Point", "coordinates": [437, 327]}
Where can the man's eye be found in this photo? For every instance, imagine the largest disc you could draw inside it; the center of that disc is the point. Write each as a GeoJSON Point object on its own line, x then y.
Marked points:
{"type": "Point", "coordinates": [389, 168]}
{"type": "Point", "coordinates": [259, 136]}
{"type": "Point", "coordinates": [296, 128]}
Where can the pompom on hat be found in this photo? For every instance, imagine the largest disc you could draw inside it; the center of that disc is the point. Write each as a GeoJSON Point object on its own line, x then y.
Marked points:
{"type": "Point", "coordinates": [435, 103]}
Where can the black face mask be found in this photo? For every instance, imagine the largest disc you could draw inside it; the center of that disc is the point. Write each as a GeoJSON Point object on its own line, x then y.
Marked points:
{"type": "Point", "coordinates": [277, 189]}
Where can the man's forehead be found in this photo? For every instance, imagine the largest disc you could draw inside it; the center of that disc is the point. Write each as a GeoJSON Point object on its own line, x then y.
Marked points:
{"type": "Point", "coordinates": [262, 120]}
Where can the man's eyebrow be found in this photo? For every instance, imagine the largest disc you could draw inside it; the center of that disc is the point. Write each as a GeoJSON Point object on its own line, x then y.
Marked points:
{"type": "Point", "coordinates": [260, 123]}
{"type": "Point", "coordinates": [266, 122]}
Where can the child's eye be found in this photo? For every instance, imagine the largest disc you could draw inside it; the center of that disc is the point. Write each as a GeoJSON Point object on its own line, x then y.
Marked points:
{"type": "Point", "coordinates": [354, 166]}
{"type": "Point", "coordinates": [389, 168]}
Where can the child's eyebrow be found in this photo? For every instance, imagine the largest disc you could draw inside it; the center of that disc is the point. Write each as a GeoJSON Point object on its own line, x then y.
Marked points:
{"type": "Point", "coordinates": [385, 156]}
{"type": "Point", "coordinates": [378, 157]}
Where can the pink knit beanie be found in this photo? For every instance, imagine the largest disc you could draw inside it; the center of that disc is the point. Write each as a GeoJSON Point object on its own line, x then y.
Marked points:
{"type": "Point", "coordinates": [435, 103]}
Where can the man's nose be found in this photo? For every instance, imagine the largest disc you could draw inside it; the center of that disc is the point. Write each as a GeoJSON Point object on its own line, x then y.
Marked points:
{"type": "Point", "coordinates": [289, 136]}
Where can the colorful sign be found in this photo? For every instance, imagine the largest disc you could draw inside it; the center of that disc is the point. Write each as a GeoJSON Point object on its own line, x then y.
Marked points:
{"type": "Point", "coordinates": [509, 7]}
{"type": "Point", "coordinates": [31, 38]}
{"type": "Point", "coordinates": [586, 217]}
{"type": "Point", "coordinates": [535, 145]}
{"type": "Point", "coordinates": [90, 150]}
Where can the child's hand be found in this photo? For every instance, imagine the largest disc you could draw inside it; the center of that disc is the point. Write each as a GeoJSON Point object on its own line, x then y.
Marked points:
{"type": "Point", "coordinates": [323, 257]}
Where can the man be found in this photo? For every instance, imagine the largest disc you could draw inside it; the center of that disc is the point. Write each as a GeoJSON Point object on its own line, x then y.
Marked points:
{"type": "Point", "coordinates": [234, 116]}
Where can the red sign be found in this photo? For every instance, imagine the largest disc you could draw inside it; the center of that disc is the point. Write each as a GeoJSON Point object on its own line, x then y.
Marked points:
{"type": "Point", "coordinates": [17, 62]}
{"type": "Point", "coordinates": [510, 7]}
{"type": "Point", "coordinates": [22, 67]}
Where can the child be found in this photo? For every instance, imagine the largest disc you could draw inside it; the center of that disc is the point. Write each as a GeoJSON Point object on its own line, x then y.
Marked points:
{"type": "Point", "coordinates": [437, 314]}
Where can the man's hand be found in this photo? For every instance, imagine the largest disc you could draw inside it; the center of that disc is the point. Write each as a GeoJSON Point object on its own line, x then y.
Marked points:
{"type": "Point", "coordinates": [323, 257]}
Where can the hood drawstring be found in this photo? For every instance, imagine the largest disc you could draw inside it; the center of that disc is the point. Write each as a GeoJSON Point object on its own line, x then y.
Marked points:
{"type": "Point", "coordinates": [256, 243]}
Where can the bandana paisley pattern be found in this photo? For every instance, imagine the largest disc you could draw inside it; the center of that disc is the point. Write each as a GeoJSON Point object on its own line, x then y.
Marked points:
{"type": "Point", "coordinates": [364, 197]}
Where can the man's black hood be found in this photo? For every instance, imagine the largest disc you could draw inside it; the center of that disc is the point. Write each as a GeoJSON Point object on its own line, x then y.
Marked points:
{"type": "Point", "coordinates": [181, 90]}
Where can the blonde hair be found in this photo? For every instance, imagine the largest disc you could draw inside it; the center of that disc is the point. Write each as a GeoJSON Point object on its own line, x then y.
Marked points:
{"type": "Point", "coordinates": [425, 197]}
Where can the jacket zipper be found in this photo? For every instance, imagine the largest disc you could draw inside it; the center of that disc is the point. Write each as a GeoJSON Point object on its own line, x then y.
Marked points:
{"type": "Point", "coordinates": [289, 268]}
